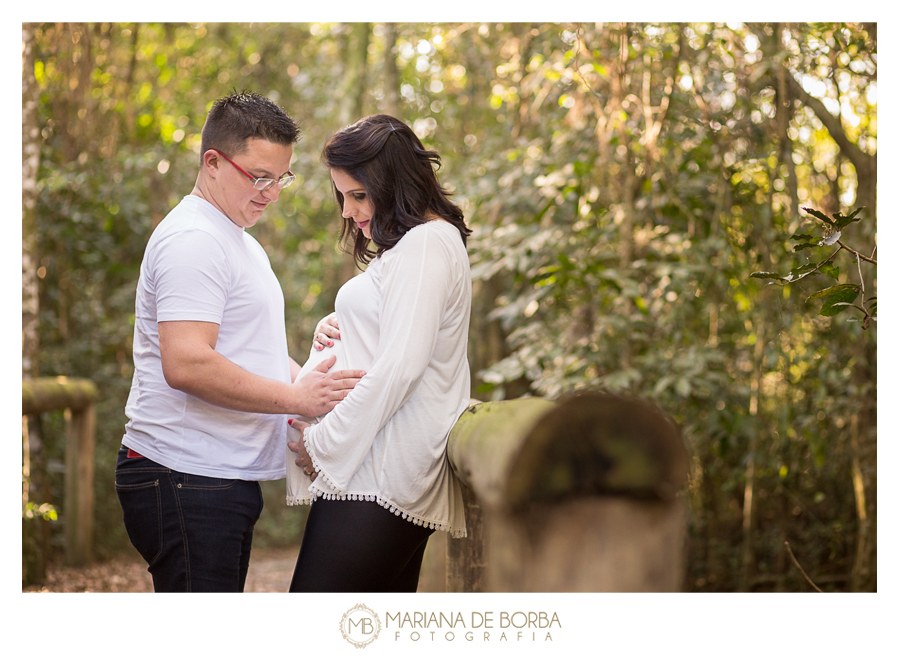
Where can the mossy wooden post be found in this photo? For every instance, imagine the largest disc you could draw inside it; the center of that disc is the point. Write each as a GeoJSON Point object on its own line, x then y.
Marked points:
{"type": "Point", "coordinates": [77, 397]}
{"type": "Point", "coordinates": [480, 445]}
{"type": "Point", "coordinates": [576, 496]}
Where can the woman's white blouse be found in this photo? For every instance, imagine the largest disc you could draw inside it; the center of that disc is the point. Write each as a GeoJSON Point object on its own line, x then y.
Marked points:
{"type": "Point", "coordinates": [405, 321]}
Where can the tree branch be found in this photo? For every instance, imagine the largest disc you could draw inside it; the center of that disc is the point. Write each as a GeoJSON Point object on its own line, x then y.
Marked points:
{"type": "Point", "coordinates": [856, 155]}
{"type": "Point", "coordinates": [857, 254]}
{"type": "Point", "coordinates": [791, 553]}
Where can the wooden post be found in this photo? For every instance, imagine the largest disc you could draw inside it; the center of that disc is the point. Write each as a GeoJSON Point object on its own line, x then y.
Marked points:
{"type": "Point", "coordinates": [79, 502]}
{"type": "Point", "coordinates": [465, 557]}
{"type": "Point", "coordinates": [77, 397]}
{"type": "Point", "coordinates": [474, 434]}
{"type": "Point", "coordinates": [577, 496]}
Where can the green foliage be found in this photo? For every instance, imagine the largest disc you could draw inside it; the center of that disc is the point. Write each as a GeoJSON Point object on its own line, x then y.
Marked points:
{"type": "Point", "coordinates": [836, 298]}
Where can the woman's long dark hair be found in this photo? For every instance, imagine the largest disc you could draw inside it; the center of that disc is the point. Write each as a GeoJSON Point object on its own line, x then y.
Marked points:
{"type": "Point", "coordinates": [384, 154]}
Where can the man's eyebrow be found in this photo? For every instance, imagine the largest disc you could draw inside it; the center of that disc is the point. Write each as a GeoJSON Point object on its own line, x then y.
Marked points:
{"type": "Point", "coordinates": [265, 173]}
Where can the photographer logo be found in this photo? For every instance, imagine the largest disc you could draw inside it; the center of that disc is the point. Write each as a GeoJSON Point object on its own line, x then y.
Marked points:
{"type": "Point", "coordinates": [360, 626]}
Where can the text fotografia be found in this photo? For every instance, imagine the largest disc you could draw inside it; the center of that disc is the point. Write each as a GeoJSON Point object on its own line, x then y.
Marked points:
{"type": "Point", "coordinates": [478, 626]}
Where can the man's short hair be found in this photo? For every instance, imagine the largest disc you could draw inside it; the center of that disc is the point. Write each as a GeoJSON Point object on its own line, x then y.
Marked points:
{"type": "Point", "coordinates": [234, 119]}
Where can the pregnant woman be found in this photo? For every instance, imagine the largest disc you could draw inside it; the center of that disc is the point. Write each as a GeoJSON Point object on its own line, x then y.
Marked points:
{"type": "Point", "coordinates": [376, 466]}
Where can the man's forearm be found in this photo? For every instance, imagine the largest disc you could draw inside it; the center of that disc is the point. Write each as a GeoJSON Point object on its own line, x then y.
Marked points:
{"type": "Point", "coordinates": [214, 379]}
{"type": "Point", "coordinates": [191, 364]}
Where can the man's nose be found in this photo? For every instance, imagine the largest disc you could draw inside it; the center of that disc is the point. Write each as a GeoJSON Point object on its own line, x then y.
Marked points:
{"type": "Point", "coordinates": [272, 193]}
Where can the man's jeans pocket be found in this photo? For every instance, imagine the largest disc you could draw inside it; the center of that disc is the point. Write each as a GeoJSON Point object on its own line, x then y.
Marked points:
{"type": "Point", "coordinates": [138, 488]}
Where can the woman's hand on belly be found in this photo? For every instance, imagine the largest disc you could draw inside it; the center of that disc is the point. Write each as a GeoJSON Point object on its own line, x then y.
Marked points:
{"type": "Point", "coordinates": [327, 331]}
{"type": "Point", "coordinates": [303, 460]}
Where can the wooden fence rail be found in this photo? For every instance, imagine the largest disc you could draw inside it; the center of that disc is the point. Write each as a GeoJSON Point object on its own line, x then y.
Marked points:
{"type": "Point", "coordinates": [76, 397]}
{"type": "Point", "coordinates": [576, 496]}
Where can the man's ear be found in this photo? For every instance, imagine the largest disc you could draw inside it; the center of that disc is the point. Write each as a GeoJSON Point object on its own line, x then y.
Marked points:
{"type": "Point", "coordinates": [211, 163]}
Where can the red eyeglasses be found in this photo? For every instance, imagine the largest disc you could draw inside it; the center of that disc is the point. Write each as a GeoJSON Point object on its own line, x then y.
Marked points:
{"type": "Point", "coordinates": [261, 184]}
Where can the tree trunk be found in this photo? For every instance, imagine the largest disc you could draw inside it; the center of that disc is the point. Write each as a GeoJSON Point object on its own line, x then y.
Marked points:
{"type": "Point", "coordinates": [748, 546]}
{"type": "Point", "coordinates": [354, 85]}
{"type": "Point", "coordinates": [31, 151]}
{"type": "Point", "coordinates": [114, 125]}
{"type": "Point", "coordinates": [866, 165]}
{"type": "Point", "coordinates": [488, 343]}
{"type": "Point", "coordinates": [35, 488]}
{"type": "Point", "coordinates": [353, 93]}
{"type": "Point", "coordinates": [627, 175]}
{"type": "Point", "coordinates": [864, 444]}
{"type": "Point", "coordinates": [391, 72]}
{"type": "Point", "coordinates": [784, 111]}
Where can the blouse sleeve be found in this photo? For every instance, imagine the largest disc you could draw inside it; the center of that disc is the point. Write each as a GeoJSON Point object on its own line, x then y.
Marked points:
{"type": "Point", "coordinates": [416, 286]}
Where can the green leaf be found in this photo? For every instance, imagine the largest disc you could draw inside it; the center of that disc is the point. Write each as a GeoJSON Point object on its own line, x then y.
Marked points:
{"type": "Point", "coordinates": [843, 221]}
{"type": "Point", "coordinates": [542, 212]}
{"type": "Point", "coordinates": [806, 245]}
{"type": "Point", "coordinates": [834, 309]}
{"type": "Point", "coordinates": [839, 301]}
{"type": "Point", "coordinates": [795, 274]}
{"type": "Point", "coordinates": [819, 215]}
{"type": "Point", "coordinates": [662, 384]}
{"type": "Point", "coordinates": [802, 236]}
{"type": "Point", "coordinates": [833, 290]}
{"type": "Point", "coordinates": [831, 270]}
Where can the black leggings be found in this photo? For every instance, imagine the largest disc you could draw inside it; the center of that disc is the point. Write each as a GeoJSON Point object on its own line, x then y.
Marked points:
{"type": "Point", "coordinates": [358, 546]}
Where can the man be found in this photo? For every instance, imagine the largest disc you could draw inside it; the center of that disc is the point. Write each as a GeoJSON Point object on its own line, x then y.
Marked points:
{"type": "Point", "coordinates": [213, 379]}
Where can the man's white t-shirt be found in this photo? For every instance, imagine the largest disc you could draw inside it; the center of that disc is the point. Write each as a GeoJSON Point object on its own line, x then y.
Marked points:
{"type": "Point", "coordinates": [201, 266]}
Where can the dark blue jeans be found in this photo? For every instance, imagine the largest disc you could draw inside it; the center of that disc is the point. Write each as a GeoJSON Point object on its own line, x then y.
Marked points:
{"type": "Point", "coordinates": [194, 531]}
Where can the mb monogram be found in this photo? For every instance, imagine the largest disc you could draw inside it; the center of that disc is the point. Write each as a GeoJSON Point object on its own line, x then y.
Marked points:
{"type": "Point", "coordinates": [360, 625]}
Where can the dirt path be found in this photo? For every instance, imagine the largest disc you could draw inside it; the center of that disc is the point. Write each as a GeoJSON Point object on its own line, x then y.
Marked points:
{"type": "Point", "coordinates": [270, 571]}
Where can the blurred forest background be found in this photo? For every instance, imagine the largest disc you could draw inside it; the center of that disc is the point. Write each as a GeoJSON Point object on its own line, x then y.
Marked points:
{"type": "Point", "coordinates": [624, 181]}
